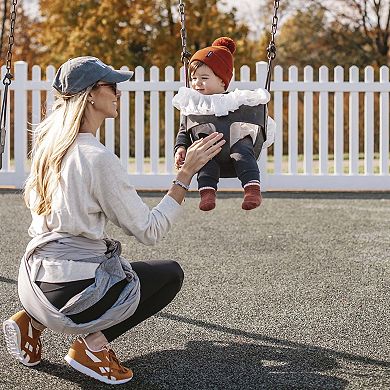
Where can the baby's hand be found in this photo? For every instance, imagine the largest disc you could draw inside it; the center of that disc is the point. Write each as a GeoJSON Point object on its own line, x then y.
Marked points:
{"type": "Point", "coordinates": [180, 156]}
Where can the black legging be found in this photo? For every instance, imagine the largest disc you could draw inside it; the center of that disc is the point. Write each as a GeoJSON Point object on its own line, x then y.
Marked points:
{"type": "Point", "coordinates": [160, 281]}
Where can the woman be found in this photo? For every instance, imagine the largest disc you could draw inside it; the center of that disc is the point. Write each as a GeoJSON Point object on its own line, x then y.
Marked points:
{"type": "Point", "coordinates": [72, 278]}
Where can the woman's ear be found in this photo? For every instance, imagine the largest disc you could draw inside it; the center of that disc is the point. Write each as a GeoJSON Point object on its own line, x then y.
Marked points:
{"type": "Point", "coordinates": [91, 94]}
{"type": "Point", "coordinates": [91, 98]}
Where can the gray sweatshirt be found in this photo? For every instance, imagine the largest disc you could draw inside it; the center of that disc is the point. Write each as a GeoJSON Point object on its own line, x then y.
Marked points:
{"type": "Point", "coordinates": [94, 188]}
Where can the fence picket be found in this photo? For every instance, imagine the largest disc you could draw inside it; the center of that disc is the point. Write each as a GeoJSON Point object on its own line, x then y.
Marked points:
{"type": "Point", "coordinates": [353, 123]}
{"type": "Point", "coordinates": [154, 122]}
{"type": "Point", "coordinates": [50, 73]}
{"type": "Point", "coordinates": [338, 127]}
{"type": "Point", "coordinates": [139, 123]}
{"type": "Point", "coordinates": [245, 74]}
{"type": "Point", "coordinates": [278, 116]}
{"type": "Point", "coordinates": [20, 117]}
{"type": "Point", "coordinates": [169, 122]}
{"type": "Point", "coordinates": [323, 123]}
{"type": "Point", "coordinates": [261, 75]}
{"type": "Point", "coordinates": [384, 124]}
{"type": "Point", "coordinates": [36, 101]}
{"type": "Point", "coordinates": [368, 123]}
{"type": "Point", "coordinates": [308, 124]}
{"type": "Point", "coordinates": [109, 134]}
{"type": "Point", "coordinates": [124, 132]}
{"type": "Point", "coordinates": [293, 123]}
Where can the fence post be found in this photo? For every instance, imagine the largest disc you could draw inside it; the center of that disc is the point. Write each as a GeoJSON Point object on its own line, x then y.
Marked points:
{"type": "Point", "coordinates": [20, 121]}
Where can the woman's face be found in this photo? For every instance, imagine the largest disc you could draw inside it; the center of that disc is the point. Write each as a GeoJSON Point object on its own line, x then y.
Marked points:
{"type": "Point", "coordinates": [205, 81]}
{"type": "Point", "coordinates": [105, 97]}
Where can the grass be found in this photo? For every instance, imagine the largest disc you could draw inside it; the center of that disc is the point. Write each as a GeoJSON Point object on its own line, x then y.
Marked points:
{"type": "Point", "coordinates": [270, 164]}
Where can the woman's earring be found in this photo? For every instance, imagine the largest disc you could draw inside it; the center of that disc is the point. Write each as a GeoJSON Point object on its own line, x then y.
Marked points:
{"type": "Point", "coordinates": [92, 102]}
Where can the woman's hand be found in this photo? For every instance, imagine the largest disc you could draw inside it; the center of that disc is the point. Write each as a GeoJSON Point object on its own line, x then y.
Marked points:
{"type": "Point", "coordinates": [198, 154]}
{"type": "Point", "coordinates": [202, 151]}
{"type": "Point", "coordinates": [180, 156]}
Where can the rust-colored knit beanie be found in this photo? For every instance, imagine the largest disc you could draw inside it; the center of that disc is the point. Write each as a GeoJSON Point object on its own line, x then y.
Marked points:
{"type": "Point", "coordinates": [219, 57]}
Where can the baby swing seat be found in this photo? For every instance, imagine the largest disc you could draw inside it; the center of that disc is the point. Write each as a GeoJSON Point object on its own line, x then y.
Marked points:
{"type": "Point", "coordinates": [200, 126]}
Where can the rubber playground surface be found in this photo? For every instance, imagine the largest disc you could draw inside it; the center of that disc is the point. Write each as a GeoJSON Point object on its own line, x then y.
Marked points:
{"type": "Point", "coordinates": [292, 295]}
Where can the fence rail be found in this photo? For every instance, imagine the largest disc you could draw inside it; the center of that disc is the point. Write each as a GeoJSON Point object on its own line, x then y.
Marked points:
{"type": "Point", "coordinates": [331, 134]}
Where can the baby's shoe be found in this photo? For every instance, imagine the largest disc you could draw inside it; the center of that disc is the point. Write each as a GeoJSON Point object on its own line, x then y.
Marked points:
{"type": "Point", "coordinates": [207, 198]}
{"type": "Point", "coordinates": [252, 196]}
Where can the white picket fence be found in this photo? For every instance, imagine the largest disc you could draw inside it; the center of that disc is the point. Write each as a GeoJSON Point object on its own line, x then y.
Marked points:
{"type": "Point", "coordinates": [354, 170]}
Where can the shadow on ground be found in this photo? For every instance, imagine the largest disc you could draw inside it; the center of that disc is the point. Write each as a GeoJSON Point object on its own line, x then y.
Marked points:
{"type": "Point", "coordinates": [221, 365]}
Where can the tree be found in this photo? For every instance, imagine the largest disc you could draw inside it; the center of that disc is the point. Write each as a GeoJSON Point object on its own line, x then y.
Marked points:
{"type": "Point", "coordinates": [311, 37]}
{"type": "Point", "coordinates": [24, 46]}
{"type": "Point", "coordinates": [132, 32]}
{"type": "Point", "coordinates": [117, 31]}
{"type": "Point", "coordinates": [368, 18]}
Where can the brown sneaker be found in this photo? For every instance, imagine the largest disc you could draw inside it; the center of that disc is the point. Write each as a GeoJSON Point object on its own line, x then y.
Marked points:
{"type": "Point", "coordinates": [102, 365]}
{"type": "Point", "coordinates": [252, 196]}
{"type": "Point", "coordinates": [22, 339]}
{"type": "Point", "coordinates": [207, 199]}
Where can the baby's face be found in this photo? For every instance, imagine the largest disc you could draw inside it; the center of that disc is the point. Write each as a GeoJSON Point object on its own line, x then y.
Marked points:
{"type": "Point", "coordinates": [205, 81]}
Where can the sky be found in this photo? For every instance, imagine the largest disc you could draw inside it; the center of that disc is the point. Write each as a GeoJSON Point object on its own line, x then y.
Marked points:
{"type": "Point", "coordinates": [247, 10]}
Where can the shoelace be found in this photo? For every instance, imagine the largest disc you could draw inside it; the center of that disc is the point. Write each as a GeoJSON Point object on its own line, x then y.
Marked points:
{"type": "Point", "coordinates": [116, 361]}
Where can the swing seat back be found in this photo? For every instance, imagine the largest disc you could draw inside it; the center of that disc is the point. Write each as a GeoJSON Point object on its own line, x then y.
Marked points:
{"type": "Point", "coordinates": [200, 126]}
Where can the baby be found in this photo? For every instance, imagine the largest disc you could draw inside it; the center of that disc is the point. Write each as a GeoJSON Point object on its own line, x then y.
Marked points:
{"type": "Point", "coordinates": [211, 70]}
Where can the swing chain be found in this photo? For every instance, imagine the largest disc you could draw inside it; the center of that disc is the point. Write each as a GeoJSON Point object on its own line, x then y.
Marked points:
{"type": "Point", "coordinates": [7, 80]}
{"type": "Point", "coordinates": [271, 49]}
{"type": "Point", "coordinates": [8, 77]}
{"type": "Point", "coordinates": [185, 54]}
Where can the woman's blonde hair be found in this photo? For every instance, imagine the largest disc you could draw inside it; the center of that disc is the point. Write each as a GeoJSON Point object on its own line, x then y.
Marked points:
{"type": "Point", "coordinates": [52, 139]}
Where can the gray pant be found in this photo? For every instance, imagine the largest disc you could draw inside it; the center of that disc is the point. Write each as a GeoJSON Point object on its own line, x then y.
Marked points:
{"type": "Point", "coordinates": [243, 160]}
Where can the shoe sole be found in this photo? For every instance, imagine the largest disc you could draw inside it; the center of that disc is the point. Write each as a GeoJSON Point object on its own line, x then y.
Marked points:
{"type": "Point", "coordinates": [13, 342]}
{"type": "Point", "coordinates": [87, 371]}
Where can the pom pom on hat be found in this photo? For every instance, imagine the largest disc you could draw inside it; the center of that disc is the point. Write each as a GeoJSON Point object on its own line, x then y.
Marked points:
{"type": "Point", "coordinates": [218, 57]}
{"type": "Point", "coordinates": [226, 42]}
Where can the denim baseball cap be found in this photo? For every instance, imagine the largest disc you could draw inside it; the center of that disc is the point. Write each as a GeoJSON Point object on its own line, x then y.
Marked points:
{"type": "Point", "coordinates": [79, 73]}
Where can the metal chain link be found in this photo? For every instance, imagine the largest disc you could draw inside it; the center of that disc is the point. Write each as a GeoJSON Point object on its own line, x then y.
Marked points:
{"type": "Point", "coordinates": [7, 79]}
{"type": "Point", "coordinates": [271, 49]}
{"type": "Point", "coordinates": [185, 55]}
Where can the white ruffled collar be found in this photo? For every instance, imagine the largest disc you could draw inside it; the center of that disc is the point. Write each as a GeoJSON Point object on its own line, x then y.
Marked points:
{"type": "Point", "coordinates": [191, 102]}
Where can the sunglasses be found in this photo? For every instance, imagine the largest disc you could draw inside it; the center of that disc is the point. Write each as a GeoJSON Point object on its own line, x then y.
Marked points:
{"type": "Point", "coordinates": [111, 85]}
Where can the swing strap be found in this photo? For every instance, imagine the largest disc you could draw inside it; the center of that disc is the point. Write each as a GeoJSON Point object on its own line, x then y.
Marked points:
{"type": "Point", "coordinates": [7, 81]}
{"type": "Point", "coordinates": [271, 49]}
